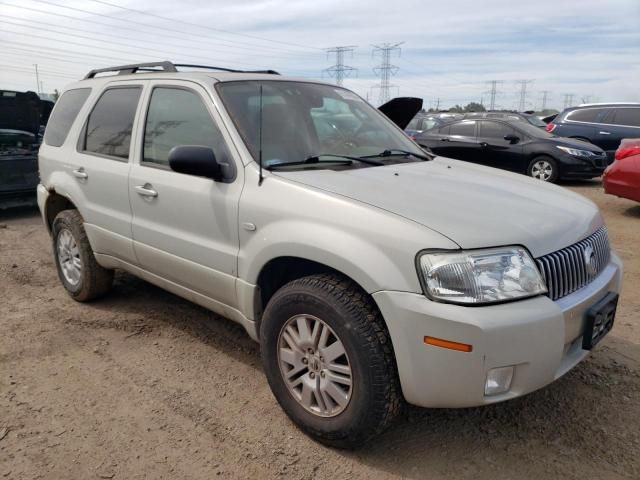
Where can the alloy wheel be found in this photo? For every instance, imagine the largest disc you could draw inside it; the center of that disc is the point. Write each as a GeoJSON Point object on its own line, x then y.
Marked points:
{"type": "Point", "coordinates": [69, 257]}
{"type": "Point", "coordinates": [542, 170]}
{"type": "Point", "coordinates": [315, 366]}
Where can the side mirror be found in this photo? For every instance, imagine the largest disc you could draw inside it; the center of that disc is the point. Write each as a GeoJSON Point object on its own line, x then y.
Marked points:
{"type": "Point", "coordinates": [195, 160]}
{"type": "Point", "coordinates": [511, 138]}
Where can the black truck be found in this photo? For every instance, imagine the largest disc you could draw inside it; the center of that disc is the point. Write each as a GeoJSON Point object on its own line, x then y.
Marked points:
{"type": "Point", "coordinates": [21, 117]}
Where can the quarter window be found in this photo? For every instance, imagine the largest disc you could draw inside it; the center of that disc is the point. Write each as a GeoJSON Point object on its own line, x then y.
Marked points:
{"type": "Point", "coordinates": [108, 130]}
{"type": "Point", "coordinates": [178, 117]}
{"type": "Point", "coordinates": [465, 129]}
{"type": "Point", "coordinates": [63, 115]}
{"type": "Point", "coordinates": [627, 116]}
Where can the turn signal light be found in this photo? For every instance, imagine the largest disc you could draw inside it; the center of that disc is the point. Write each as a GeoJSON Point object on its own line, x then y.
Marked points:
{"type": "Point", "coordinates": [440, 342]}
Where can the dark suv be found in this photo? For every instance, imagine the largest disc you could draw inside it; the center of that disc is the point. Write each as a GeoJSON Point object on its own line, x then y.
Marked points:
{"type": "Point", "coordinates": [604, 125]}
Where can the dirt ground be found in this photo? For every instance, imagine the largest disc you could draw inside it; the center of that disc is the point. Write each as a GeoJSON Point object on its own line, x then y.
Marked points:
{"type": "Point", "coordinates": [143, 384]}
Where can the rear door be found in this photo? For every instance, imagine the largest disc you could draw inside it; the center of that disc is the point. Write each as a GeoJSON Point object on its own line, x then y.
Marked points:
{"type": "Point", "coordinates": [619, 123]}
{"type": "Point", "coordinates": [185, 228]}
{"type": "Point", "coordinates": [495, 150]}
{"type": "Point", "coordinates": [98, 167]}
{"type": "Point", "coordinates": [462, 143]}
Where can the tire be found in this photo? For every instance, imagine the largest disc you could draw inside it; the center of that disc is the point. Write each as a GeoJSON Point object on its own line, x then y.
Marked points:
{"type": "Point", "coordinates": [80, 274]}
{"type": "Point", "coordinates": [374, 398]}
{"type": "Point", "coordinates": [543, 168]}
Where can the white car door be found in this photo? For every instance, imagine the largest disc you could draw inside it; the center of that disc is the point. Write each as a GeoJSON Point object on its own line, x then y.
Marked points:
{"type": "Point", "coordinates": [99, 164]}
{"type": "Point", "coordinates": [185, 227]}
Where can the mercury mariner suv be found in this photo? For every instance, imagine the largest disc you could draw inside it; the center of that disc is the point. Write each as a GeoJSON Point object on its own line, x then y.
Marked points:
{"type": "Point", "coordinates": [371, 272]}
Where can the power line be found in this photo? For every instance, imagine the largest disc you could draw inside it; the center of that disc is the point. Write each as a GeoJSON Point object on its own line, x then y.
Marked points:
{"type": "Point", "coordinates": [173, 20]}
{"type": "Point", "coordinates": [339, 70]}
{"type": "Point", "coordinates": [523, 93]}
{"type": "Point", "coordinates": [385, 69]}
{"type": "Point", "coordinates": [493, 92]}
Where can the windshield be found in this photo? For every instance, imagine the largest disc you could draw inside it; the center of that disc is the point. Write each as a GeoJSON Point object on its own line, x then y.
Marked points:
{"type": "Point", "coordinates": [535, 121]}
{"type": "Point", "coordinates": [532, 131]}
{"type": "Point", "coordinates": [301, 120]}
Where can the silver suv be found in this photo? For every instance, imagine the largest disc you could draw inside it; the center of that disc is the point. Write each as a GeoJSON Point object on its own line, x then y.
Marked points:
{"type": "Point", "coordinates": [370, 272]}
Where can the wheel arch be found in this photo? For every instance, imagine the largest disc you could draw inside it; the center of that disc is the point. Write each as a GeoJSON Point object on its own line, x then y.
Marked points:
{"type": "Point", "coordinates": [54, 204]}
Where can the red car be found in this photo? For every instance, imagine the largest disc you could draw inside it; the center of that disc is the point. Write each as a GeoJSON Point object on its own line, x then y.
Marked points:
{"type": "Point", "coordinates": [622, 177]}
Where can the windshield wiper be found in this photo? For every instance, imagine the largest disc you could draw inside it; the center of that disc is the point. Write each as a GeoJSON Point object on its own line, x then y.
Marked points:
{"type": "Point", "coordinates": [396, 152]}
{"type": "Point", "coordinates": [313, 159]}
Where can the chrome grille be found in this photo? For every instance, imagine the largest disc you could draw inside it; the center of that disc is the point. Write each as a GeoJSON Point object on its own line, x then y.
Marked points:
{"type": "Point", "coordinates": [567, 270]}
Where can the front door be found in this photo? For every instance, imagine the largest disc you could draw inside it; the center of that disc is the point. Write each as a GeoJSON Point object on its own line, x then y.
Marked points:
{"type": "Point", "coordinates": [498, 152]}
{"type": "Point", "coordinates": [184, 227]}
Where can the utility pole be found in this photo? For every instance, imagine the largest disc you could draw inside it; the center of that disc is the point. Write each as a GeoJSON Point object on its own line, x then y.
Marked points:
{"type": "Point", "coordinates": [493, 92]}
{"type": "Point", "coordinates": [545, 93]}
{"type": "Point", "coordinates": [339, 70]}
{"type": "Point", "coordinates": [523, 93]}
{"type": "Point", "coordinates": [37, 79]}
{"type": "Point", "coordinates": [385, 69]}
{"type": "Point", "coordinates": [568, 100]}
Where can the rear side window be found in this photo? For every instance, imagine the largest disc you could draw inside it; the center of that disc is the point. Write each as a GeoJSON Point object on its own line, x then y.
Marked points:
{"type": "Point", "coordinates": [627, 116]}
{"type": "Point", "coordinates": [179, 117]}
{"type": "Point", "coordinates": [494, 130]}
{"type": "Point", "coordinates": [585, 115]}
{"type": "Point", "coordinates": [108, 128]}
{"type": "Point", "coordinates": [465, 129]}
{"type": "Point", "coordinates": [65, 112]}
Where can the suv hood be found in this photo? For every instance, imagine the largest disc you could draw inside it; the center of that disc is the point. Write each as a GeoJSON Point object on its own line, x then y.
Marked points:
{"type": "Point", "coordinates": [19, 111]}
{"type": "Point", "coordinates": [574, 143]}
{"type": "Point", "coordinates": [474, 206]}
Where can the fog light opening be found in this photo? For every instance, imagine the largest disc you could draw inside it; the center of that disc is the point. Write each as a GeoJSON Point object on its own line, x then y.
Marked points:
{"type": "Point", "coordinates": [498, 380]}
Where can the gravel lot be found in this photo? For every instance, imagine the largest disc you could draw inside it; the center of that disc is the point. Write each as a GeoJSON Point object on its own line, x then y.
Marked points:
{"type": "Point", "coordinates": [143, 384]}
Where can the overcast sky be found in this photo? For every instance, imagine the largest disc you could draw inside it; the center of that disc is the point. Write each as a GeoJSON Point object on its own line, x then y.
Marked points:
{"type": "Point", "coordinates": [451, 49]}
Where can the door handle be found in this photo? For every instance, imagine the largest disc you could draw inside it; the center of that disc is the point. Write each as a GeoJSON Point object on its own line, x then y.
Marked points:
{"type": "Point", "coordinates": [604, 133]}
{"type": "Point", "coordinates": [444, 140]}
{"type": "Point", "coordinates": [146, 191]}
{"type": "Point", "coordinates": [80, 173]}
{"type": "Point", "coordinates": [484, 144]}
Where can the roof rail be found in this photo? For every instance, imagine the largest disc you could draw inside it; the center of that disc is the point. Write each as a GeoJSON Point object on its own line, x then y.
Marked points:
{"type": "Point", "coordinates": [127, 69]}
{"type": "Point", "coordinates": [165, 66]}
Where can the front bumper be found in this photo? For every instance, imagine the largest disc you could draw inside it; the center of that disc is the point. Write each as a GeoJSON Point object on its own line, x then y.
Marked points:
{"type": "Point", "coordinates": [542, 339]}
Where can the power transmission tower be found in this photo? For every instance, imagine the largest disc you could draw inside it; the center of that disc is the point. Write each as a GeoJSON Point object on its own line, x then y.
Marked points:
{"type": "Point", "coordinates": [568, 100]}
{"type": "Point", "coordinates": [37, 79]}
{"type": "Point", "coordinates": [523, 93]}
{"type": "Point", "coordinates": [545, 94]}
{"type": "Point", "coordinates": [493, 91]}
{"type": "Point", "coordinates": [339, 70]}
{"type": "Point", "coordinates": [385, 69]}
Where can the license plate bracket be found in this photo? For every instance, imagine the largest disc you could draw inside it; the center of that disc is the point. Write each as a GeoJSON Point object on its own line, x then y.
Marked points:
{"type": "Point", "coordinates": [599, 321]}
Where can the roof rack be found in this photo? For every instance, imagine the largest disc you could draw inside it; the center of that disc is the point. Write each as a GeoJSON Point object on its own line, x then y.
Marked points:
{"type": "Point", "coordinates": [166, 67]}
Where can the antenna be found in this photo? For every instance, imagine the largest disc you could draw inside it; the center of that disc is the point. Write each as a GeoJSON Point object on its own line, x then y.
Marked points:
{"type": "Point", "coordinates": [260, 177]}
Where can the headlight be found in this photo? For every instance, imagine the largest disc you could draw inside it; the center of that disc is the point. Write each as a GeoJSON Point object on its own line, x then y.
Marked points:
{"type": "Point", "coordinates": [576, 152]}
{"type": "Point", "coordinates": [480, 276]}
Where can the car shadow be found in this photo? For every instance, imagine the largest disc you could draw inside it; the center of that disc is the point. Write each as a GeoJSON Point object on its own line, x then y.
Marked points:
{"type": "Point", "coordinates": [633, 212]}
{"type": "Point", "coordinates": [589, 183]}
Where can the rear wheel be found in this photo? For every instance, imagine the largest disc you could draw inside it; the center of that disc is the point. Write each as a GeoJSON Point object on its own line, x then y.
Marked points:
{"type": "Point", "coordinates": [543, 168]}
{"type": "Point", "coordinates": [78, 270]}
{"type": "Point", "coordinates": [329, 360]}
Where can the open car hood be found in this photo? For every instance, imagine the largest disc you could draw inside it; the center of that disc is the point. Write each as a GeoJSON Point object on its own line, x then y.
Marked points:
{"type": "Point", "coordinates": [20, 111]}
{"type": "Point", "coordinates": [401, 110]}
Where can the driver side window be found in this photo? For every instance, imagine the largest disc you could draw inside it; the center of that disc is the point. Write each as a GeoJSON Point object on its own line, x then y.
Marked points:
{"type": "Point", "coordinates": [177, 116]}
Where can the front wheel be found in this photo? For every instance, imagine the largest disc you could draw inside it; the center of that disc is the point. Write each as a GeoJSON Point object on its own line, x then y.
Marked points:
{"type": "Point", "coordinates": [329, 360]}
{"type": "Point", "coordinates": [543, 168]}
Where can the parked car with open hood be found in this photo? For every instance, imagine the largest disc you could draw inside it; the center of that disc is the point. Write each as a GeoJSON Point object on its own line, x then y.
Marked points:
{"type": "Point", "coordinates": [371, 272]}
{"type": "Point", "coordinates": [516, 146]}
{"type": "Point", "coordinates": [20, 115]}
{"type": "Point", "coordinates": [603, 124]}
